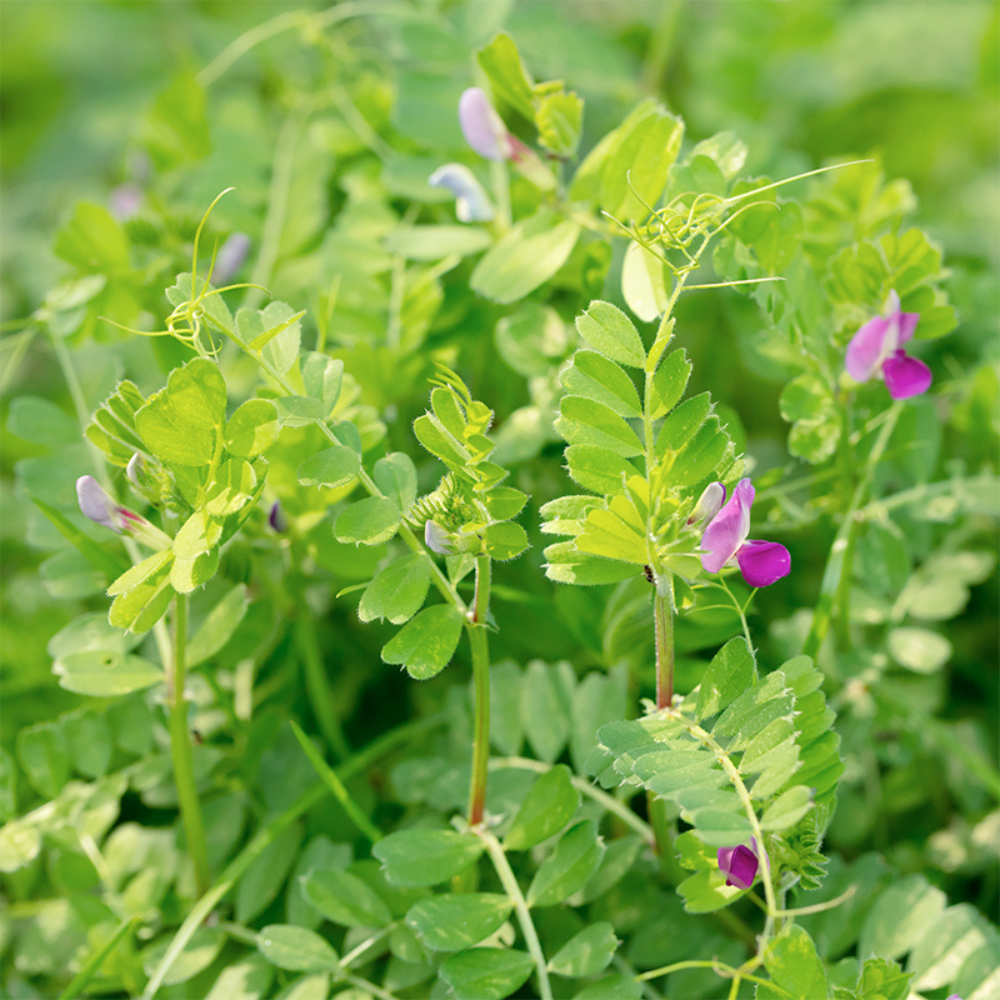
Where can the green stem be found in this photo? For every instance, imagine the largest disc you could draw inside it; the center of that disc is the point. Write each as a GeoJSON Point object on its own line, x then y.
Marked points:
{"type": "Point", "coordinates": [266, 836]}
{"type": "Point", "coordinates": [329, 777]}
{"type": "Point", "coordinates": [481, 673]}
{"type": "Point", "coordinates": [180, 752]}
{"type": "Point", "coordinates": [838, 565]}
{"type": "Point", "coordinates": [501, 191]}
{"type": "Point", "coordinates": [663, 620]}
{"type": "Point", "coordinates": [317, 684]}
{"type": "Point", "coordinates": [82, 979]}
{"type": "Point", "coordinates": [513, 890]}
{"type": "Point", "coordinates": [740, 611]}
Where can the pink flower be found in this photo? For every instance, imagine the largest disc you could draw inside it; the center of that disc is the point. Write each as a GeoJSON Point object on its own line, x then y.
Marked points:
{"type": "Point", "coordinates": [725, 540]}
{"type": "Point", "coordinates": [876, 351]}
{"type": "Point", "coordinates": [100, 507]}
{"type": "Point", "coordinates": [482, 127]}
{"type": "Point", "coordinates": [740, 864]}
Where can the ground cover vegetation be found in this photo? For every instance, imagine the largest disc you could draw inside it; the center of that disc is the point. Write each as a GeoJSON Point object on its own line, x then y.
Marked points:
{"type": "Point", "coordinates": [500, 500]}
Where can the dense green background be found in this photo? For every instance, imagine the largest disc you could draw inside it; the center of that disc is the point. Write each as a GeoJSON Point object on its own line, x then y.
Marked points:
{"type": "Point", "coordinates": [915, 84]}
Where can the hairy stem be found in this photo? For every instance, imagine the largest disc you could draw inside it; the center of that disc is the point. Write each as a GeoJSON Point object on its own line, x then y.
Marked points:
{"type": "Point", "coordinates": [481, 672]}
{"type": "Point", "coordinates": [513, 890]}
{"type": "Point", "coordinates": [663, 620]}
{"type": "Point", "coordinates": [180, 752]}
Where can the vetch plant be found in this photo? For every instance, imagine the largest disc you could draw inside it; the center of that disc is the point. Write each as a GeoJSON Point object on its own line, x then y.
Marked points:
{"type": "Point", "coordinates": [324, 434]}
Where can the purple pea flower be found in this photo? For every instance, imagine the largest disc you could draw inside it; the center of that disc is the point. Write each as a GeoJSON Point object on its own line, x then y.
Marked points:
{"type": "Point", "coordinates": [740, 864]}
{"type": "Point", "coordinates": [709, 504]}
{"type": "Point", "coordinates": [472, 204]}
{"type": "Point", "coordinates": [100, 507]}
{"type": "Point", "coordinates": [125, 201]}
{"type": "Point", "coordinates": [438, 540]}
{"type": "Point", "coordinates": [725, 539]}
{"type": "Point", "coordinates": [276, 518]}
{"type": "Point", "coordinates": [482, 127]}
{"type": "Point", "coordinates": [876, 351]}
{"type": "Point", "coordinates": [230, 258]}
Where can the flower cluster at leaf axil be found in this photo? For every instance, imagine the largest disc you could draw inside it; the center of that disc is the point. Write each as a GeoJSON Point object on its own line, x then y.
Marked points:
{"type": "Point", "coordinates": [725, 539]}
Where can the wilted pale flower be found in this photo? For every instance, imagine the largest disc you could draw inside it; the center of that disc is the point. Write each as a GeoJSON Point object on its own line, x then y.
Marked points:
{"type": "Point", "coordinates": [472, 204]}
{"type": "Point", "coordinates": [230, 258]}
{"type": "Point", "coordinates": [725, 539]}
{"type": "Point", "coordinates": [482, 127]}
{"type": "Point", "coordinates": [100, 507]}
{"type": "Point", "coordinates": [876, 351]}
{"type": "Point", "coordinates": [437, 539]}
{"type": "Point", "coordinates": [740, 864]}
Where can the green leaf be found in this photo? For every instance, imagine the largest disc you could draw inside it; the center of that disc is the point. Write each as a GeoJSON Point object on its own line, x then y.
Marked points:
{"type": "Point", "coordinates": [550, 804]}
{"type": "Point", "coordinates": [531, 338]}
{"type": "Point", "coordinates": [669, 383]}
{"type": "Point", "coordinates": [105, 673]}
{"type": "Point", "coordinates": [43, 754]}
{"type": "Point", "coordinates": [299, 411]}
{"type": "Point", "coordinates": [919, 649]}
{"type": "Point", "coordinates": [455, 922]}
{"type": "Point", "coordinates": [644, 285]}
{"type": "Point", "coordinates": [937, 958]}
{"type": "Point", "coordinates": [345, 899]}
{"type": "Point", "coordinates": [546, 703]}
{"type": "Point", "coordinates": [175, 130]}
{"type": "Point", "coordinates": [296, 948]}
{"type": "Point", "coordinates": [323, 378]}
{"type": "Point", "coordinates": [505, 540]}
{"type": "Point", "coordinates": [728, 675]}
{"type": "Point", "coordinates": [199, 953]}
{"type": "Point", "coordinates": [218, 627]}
{"type": "Point", "coordinates": [526, 256]}
{"type": "Point", "coordinates": [706, 891]}
{"type": "Point", "coordinates": [486, 973]}
{"type": "Point", "coordinates": [903, 914]}
{"type": "Point", "coordinates": [426, 857]}
{"type": "Point", "coordinates": [266, 875]}
{"type": "Point", "coordinates": [139, 607]}
{"type": "Point", "coordinates": [109, 565]}
{"type": "Point", "coordinates": [247, 979]}
{"type": "Point", "coordinates": [371, 521]}
{"type": "Point", "coordinates": [619, 859]}
{"type": "Point", "coordinates": [559, 119]}
{"type": "Point", "coordinates": [598, 469]}
{"type": "Point", "coordinates": [92, 241]}
{"type": "Point", "coordinates": [701, 456]}
{"type": "Point", "coordinates": [278, 341]}
{"type": "Point", "coordinates": [504, 502]}
{"type": "Point", "coordinates": [426, 644]}
{"type": "Point", "coordinates": [612, 334]}
{"type": "Point", "coordinates": [334, 467]}
{"type": "Point", "coordinates": [594, 376]}
{"type": "Point", "coordinates": [566, 564]}
{"type": "Point", "coordinates": [792, 963]}
{"type": "Point", "coordinates": [883, 980]}
{"type": "Point", "coordinates": [179, 423]}
{"type": "Point", "coordinates": [787, 809]}
{"type": "Point", "coordinates": [585, 421]}
{"type": "Point", "coordinates": [40, 421]}
{"type": "Point", "coordinates": [399, 590]}
{"type": "Point", "coordinates": [587, 954]}
{"type": "Point", "coordinates": [645, 147]}
{"type": "Point", "coordinates": [510, 81]}
{"type": "Point", "coordinates": [396, 476]}
{"type": "Point", "coordinates": [682, 425]}
{"type": "Point", "coordinates": [576, 857]}
{"type": "Point", "coordinates": [612, 988]}
{"type": "Point", "coordinates": [252, 429]}
{"type": "Point", "coordinates": [233, 488]}
{"type": "Point", "coordinates": [427, 243]}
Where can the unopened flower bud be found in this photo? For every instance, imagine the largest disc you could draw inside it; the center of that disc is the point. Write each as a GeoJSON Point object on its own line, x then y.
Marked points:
{"type": "Point", "coordinates": [276, 518]}
{"type": "Point", "coordinates": [230, 258]}
{"type": "Point", "coordinates": [437, 539]}
{"type": "Point", "coordinates": [709, 503]}
{"type": "Point", "coordinates": [472, 204]}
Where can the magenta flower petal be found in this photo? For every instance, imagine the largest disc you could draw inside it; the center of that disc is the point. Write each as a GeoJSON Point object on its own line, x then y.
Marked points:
{"type": "Point", "coordinates": [739, 865]}
{"type": "Point", "coordinates": [482, 127]}
{"type": "Point", "coordinates": [763, 563]}
{"type": "Point", "coordinates": [728, 530]}
{"type": "Point", "coordinates": [867, 349]}
{"type": "Point", "coordinates": [906, 376]}
{"type": "Point", "coordinates": [472, 204]}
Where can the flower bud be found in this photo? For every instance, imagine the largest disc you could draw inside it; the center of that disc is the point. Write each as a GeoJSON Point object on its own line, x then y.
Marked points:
{"type": "Point", "coordinates": [276, 518]}
{"type": "Point", "coordinates": [482, 127]}
{"type": "Point", "coordinates": [472, 204]}
{"type": "Point", "coordinates": [438, 540]}
{"type": "Point", "coordinates": [709, 503]}
{"type": "Point", "coordinates": [230, 258]}
{"type": "Point", "coordinates": [739, 864]}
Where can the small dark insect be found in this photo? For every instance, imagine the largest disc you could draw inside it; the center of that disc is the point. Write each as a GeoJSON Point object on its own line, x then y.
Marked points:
{"type": "Point", "coordinates": [648, 573]}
